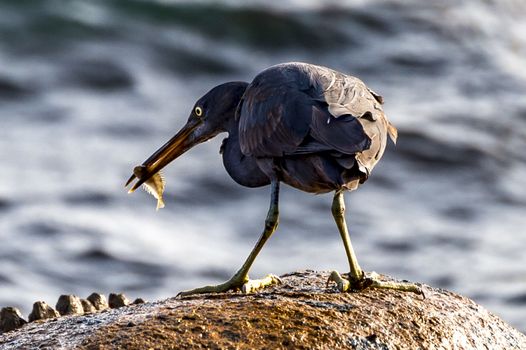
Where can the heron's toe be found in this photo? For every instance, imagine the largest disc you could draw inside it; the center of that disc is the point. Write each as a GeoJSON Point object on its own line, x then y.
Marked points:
{"type": "Point", "coordinates": [372, 280]}
{"type": "Point", "coordinates": [342, 284]}
{"type": "Point", "coordinates": [238, 282]}
{"type": "Point", "coordinates": [254, 285]}
{"type": "Point", "coordinates": [220, 288]}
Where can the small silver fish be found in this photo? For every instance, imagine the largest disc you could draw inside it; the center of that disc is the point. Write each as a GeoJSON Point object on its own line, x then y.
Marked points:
{"type": "Point", "coordinates": [154, 185]}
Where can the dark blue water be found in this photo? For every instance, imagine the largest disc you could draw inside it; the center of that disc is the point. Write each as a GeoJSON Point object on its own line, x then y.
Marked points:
{"type": "Point", "coordinates": [90, 89]}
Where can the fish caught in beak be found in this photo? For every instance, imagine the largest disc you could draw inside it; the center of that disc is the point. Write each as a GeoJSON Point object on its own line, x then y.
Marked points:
{"type": "Point", "coordinates": [148, 173]}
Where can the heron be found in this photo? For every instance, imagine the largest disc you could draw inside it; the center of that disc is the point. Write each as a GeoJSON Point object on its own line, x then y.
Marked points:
{"type": "Point", "coordinates": [310, 127]}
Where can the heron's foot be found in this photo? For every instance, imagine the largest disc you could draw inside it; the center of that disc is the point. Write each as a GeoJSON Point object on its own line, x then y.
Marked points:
{"type": "Point", "coordinates": [371, 280]}
{"type": "Point", "coordinates": [237, 282]}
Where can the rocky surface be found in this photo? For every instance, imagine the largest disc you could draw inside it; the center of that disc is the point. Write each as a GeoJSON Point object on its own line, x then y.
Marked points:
{"type": "Point", "coordinates": [117, 300]}
{"type": "Point", "coordinates": [10, 319]}
{"type": "Point", "coordinates": [69, 305]}
{"type": "Point", "coordinates": [302, 313]}
{"type": "Point", "coordinates": [41, 310]}
{"type": "Point", "coordinates": [87, 306]}
{"type": "Point", "coordinates": [98, 301]}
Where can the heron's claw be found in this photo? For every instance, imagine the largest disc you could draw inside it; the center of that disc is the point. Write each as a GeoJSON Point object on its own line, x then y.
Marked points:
{"type": "Point", "coordinates": [254, 285]}
{"type": "Point", "coordinates": [235, 283]}
{"type": "Point", "coordinates": [372, 280]}
{"type": "Point", "coordinates": [342, 284]}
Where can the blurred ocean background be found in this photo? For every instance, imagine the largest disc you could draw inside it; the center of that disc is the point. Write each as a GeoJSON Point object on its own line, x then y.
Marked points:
{"type": "Point", "coordinates": [89, 89]}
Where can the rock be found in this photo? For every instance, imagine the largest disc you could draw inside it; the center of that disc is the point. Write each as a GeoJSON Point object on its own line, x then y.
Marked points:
{"type": "Point", "coordinates": [87, 306]}
{"type": "Point", "coordinates": [301, 313]}
{"type": "Point", "coordinates": [69, 305]}
{"type": "Point", "coordinates": [10, 318]}
{"type": "Point", "coordinates": [41, 310]}
{"type": "Point", "coordinates": [98, 301]}
{"type": "Point", "coordinates": [138, 301]}
{"type": "Point", "coordinates": [117, 300]}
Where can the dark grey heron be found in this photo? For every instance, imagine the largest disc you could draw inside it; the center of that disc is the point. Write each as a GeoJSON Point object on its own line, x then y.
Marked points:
{"type": "Point", "coordinates": [311, 127]}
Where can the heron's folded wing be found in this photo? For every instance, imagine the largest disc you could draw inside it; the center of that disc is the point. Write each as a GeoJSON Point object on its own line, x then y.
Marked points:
{"type": "Point", "coordinates": [277, 120]}
{"type": "Point", "coordinates": [287, 104]}
{"type": "Point", "coordinates": [274, 118]}
{"type": "Point", "coordinates": [344, 134]}
{"type": "Point", "coordinates": [347, 95]}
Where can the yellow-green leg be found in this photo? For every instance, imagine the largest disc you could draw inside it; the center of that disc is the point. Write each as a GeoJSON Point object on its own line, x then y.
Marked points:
{"type": "Point", "coordinates": [240, 280]}
{"type": "Point", "coordinates": [358, 280]}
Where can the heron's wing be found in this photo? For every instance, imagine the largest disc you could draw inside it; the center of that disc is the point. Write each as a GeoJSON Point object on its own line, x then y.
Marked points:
{"type": "Point", "coordinates": [298, 108]}
{"type": "Point", "coordinates": [344, 134]}
{"type": "Point", "coordinates": [347, 95]}
{"type": "Point", "coordinates": [354, 119]}
{"type": "Point", "coordinates": [274, 115]}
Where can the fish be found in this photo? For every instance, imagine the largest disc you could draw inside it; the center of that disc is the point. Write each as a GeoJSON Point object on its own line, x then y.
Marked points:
{"type": "Point", "coordinates": [154, 185]}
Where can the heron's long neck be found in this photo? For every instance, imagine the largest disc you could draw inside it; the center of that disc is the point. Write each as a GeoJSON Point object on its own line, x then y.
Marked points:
{"type": "Point", "coordinates": [231, 125]}
{"type": "Point", "coordinates": [243, 169]}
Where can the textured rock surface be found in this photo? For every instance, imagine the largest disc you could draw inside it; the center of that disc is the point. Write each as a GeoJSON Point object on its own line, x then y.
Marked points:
{"type": "Point", "coordinates": [299, 314]}
{"type": "Point", "coordinates": [117, 300]}
{"type": "Point", "coordinates": [41, 310]}
{"type": "Point", "coordinates": [87, 306]}
{"type": "Point", "coordinates": [98, 301]}
{"type": "Point", "coordinates": [139, 301]}
{"type": "Point", "coordinates": [69, 305]}
{"type": "Point", "coordinates": [10, 318]}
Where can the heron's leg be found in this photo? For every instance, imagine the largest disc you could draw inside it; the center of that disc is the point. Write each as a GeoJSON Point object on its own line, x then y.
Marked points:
{"type": "Point", "coordinates": [338, 211]}
{"type": "Point", "coordinates": [358, 280]}
{"type": "Point", "coordinates": [240, 280]}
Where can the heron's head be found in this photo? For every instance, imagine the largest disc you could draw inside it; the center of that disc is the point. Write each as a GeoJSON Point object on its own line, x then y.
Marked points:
{"type": "Point", "coordinates": [212, 114]}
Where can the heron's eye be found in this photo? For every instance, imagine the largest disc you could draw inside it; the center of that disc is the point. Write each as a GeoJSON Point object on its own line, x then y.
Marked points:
{"type": "Point", "coordinates": [198, 111]}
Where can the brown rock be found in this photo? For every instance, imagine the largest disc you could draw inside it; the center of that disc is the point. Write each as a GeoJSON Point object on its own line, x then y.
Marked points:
{"type": "Point", "coordinates": [10, 318]}
{"type": "Point", "coordinates": [41, 310]}
{"type": "Point", "coordinates": [138, 301]}
{"type": "Point", "coordinates": [301, 313]}
{"type": "Point", "coordinates": [69, 305]}
{"type": "Point", "coordinates": [117, 300]}
{"type": "Point", "coordinates": [87, 306]}
{"type": "Point", "coordinates": [98, 301]}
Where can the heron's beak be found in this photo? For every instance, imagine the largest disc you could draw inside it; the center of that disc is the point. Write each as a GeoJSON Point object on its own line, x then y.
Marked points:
{"type": "Point", "coordinates": [172, 149]}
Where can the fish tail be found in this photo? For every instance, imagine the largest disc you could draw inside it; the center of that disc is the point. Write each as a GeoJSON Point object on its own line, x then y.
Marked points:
{"type": "Point", "coordinates": [160, 204]}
